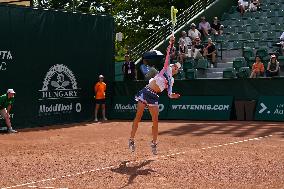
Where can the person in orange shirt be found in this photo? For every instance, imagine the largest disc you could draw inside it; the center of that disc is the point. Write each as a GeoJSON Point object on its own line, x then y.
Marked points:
{"type": "Point", "coordinates": [257, 68]}
{"type": "Point", "coordinates": [100, 97]}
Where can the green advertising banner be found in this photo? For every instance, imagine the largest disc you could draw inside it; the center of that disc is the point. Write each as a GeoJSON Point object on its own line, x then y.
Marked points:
{"type": "Point", "coordinates": [201, 108]}
{"type": "Point", "coordinates": [124, 107]}
{"type": "Point", "coordinates": [52, 59]}
{"type": "Point", "coordinates": [270, 108]}
{"type": "Point", "coordinates": [187, 107]}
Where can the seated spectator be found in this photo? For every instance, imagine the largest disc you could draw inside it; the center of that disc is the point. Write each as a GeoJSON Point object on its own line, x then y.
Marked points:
{"type": "Point", "coordinates": [204, 27]}
{"type": "Point", "coordinates": [254, 6]}
{"type": "Point", "coordinates": [216, 26]}
{"type": "Point", "coordinates": [210, 52]}
{"type": "Point", "coordinates": [173, 50]}
{"type": "Point", "coordinates": [128, 69]}
{"type": "Point", "coordinates": [273, 67]}
{"type": "Point", "coordinates": [221, 31]}
{"type": "Point", "coordinates": [193, 32]}
{"type": "Point", "coordinates": [257, 68]}
{"type": "Point", "coordinates": [182, 51]}
{"type": "Point", "coordinates": [242, 6]}
{"type": "Point", "coordinates": [196, 50]}
{"type": "Point", "coordinates": [282, 44]}
{"type": "Point", "coordinates": [186, 39]}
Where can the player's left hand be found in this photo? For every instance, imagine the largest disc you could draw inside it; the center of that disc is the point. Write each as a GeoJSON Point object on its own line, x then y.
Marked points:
{"type": "Point", "coordinates": [175, 95]}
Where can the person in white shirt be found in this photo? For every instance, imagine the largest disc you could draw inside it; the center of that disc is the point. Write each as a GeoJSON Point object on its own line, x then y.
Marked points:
{"type": "Point", "coordinates": [193, 32]}
{"type": "Point", "coordinates": [254, 5]}
{"type": "Point", "coordinates": [242, 5]}
{"type": "Point", "coordinates": [282, 37]}
{"type": "Point", "coordinates": [186, 39]}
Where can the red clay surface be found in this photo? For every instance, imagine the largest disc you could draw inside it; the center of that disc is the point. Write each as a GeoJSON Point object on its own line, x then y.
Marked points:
{"type": "Point", "coordinates": [189, 156]}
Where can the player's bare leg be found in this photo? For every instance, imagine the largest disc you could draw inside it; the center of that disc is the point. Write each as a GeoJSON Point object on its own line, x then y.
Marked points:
{"type": "Point", "coordinates": [140, 109]}
{"type": "Point", "coordinates": [154, 111]}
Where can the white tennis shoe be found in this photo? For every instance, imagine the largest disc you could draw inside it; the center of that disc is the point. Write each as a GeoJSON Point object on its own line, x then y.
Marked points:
{"type": "Point", "coordinates": [131, 145]}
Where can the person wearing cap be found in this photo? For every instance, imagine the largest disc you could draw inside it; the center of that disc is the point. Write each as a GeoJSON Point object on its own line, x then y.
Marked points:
{"type": "Point", "coordinates": [100, 97]}
{"type": "Point", "coordinates": [148, 97]}
{"type": "Point", "coordinates": [6, 102]}
{"type": "Point", "coordinates": [193, 32]}
{"type": "Point", "coordinates": [128, 69]}
{"type": "Point", "coordinates": [272, 67]}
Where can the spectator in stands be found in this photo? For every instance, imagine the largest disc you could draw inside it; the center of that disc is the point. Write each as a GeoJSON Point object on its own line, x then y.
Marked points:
{"type": "Point", "coordinates": [193, 32]}
{"type": "Point", "coordinates": [210, 52]}
{"type": "Point", "coordinates": [254, 6]}
{"type": "Point", "coordinates": [173, 50]}
{"type": "Point", "coordinates": [257, 68]}
{"type": "Point", "coordinates": [128, 69]}
{"type": "Point", "coordinates": [242, 6]}
{"type": "Point", "coordinates": [204, 27]}
{"type": "Point", "coordinates": [182, 52]}
{"type": "Point", "coordinates": [148, 71]}
{"type": "Point", "coordinates": [186, 39]}
{"type": "Point", "coordinates": [196, 50]}
{"type": "Point", "coordinates": [221, 31]}
{"type": "Point", "coordinates": [6, 102]}
{"type": "Point", "coordinates": [100, 89]}
{"type": "Point", "coordinates": [282, 44]}
{"type": "Point", "coordinates": [216, 26]}
{"type": "Point", "coordinates": [273, 67]}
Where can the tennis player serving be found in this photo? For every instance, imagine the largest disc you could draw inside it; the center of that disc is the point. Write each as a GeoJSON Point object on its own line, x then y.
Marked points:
{"type": "Point", "coordinates": [148, 97]}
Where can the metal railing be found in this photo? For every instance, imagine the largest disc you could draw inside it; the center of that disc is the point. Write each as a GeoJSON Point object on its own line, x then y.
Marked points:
{"type": "Point", "coordinates": [165, 31]}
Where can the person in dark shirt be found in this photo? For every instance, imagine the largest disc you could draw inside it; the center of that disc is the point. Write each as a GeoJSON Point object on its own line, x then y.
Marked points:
{"type": "Point", "coordinates": [128, 69]}
{"type": "Point", "coordinates": [215, 26]}
{"type": "Point", "coordinates": [210, 52]}
{"type": "Point", "coordinates": [273, 67]}
{"type": "Point", "coordinates": [196, 50]}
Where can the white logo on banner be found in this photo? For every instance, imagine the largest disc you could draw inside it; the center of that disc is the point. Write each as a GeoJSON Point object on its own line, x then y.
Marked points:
{"type": "Point", "coordinates": [59, 83]}
{"type": "Point", "coordinates": [263, 108]}
{"type": "Point", "coordinates": [5, 57]}
{"type": "Point", "coordinates": [133, 107]}
{"type": "Point", "coordinates": [279, 110]}
{"type": "Point", "coordinates": [206, 107]}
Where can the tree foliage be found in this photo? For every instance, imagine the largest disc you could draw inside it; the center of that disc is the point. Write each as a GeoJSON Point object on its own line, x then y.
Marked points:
{"type": "Point", "coordinates": [136, 19]}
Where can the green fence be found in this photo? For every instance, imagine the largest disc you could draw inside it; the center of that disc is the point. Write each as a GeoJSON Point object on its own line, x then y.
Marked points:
{"type": "Point", "coordinates": [52, 60]}
{"type": "Point", "coordinates": [207, 99]}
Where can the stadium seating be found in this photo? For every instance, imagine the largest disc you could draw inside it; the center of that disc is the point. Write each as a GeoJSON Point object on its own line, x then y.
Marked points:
{"type": "Point", "coordinates": [202, 64]}
{"type": "Point", "coordinates": [229, 73]}
{"type": "Point", "coordinates": [191, 74]}
{"type": "Point", "coordinates": [188, 64]}
{"type": "Point", "coordinates": [238, 63]}
{"type": "Point", "coordinates": [244, 72]}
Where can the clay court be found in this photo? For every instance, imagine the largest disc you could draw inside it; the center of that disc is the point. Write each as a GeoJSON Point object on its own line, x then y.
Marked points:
{"type": "Point", "coordinates": [191, 155]}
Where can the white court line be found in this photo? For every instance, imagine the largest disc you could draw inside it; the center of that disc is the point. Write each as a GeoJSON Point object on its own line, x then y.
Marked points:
{"type": "Point", "coordinates": [129, 163]}
{"type": "Point", "coordinates": [45, 187]}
